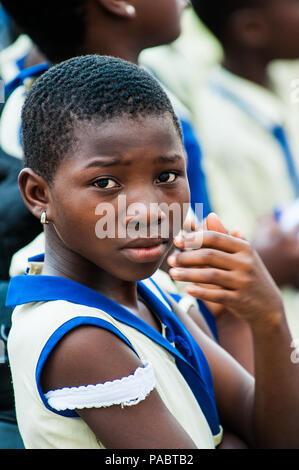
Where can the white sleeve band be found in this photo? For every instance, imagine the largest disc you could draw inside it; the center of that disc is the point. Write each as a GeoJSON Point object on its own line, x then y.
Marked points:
{"type": "Point", "coordinates": [127, 391]}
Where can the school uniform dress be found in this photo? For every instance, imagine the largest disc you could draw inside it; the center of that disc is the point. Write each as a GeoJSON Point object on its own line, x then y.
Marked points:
{"type": "Point", "coordinates": [250, 137]}
{"type": "Point", "coordinates": [48, 307]}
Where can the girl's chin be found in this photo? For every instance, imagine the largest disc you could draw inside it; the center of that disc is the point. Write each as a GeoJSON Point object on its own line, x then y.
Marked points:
{"type": "Point", "coordinates": [140, 275]}
{"type": "Point", "coordinates": [138, 272]}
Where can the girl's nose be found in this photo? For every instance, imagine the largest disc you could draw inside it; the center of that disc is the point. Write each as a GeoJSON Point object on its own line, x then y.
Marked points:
{"type": "Point", "coordinates": [144, 214]}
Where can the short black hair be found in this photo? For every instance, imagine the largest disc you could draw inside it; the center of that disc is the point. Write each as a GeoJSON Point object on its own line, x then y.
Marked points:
{"type": "Point", "coordinates": [215, 14]}
{"type": "Point", "coordinates": [57, 27]}
{"type": "Point", "coordinates": [83, 89]}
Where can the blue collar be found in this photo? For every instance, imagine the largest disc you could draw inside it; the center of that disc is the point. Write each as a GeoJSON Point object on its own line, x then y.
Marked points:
{"type": "Point", "coordinates": [30, 72]}
{"type": "Point", "coordinates": [188, 355]}
{"type": "Point", "coordinates": [34, 288]}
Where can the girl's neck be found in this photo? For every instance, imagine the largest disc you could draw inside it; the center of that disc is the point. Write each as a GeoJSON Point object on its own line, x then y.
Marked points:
{"type": "Point", "coordinates": [64, 263]}
{"type": "Point", "coordinates": [247, 65]}
{"type": "Point", "coordinates": [112, 37]}
{"type": "Point", "coordinates": [118, 49]}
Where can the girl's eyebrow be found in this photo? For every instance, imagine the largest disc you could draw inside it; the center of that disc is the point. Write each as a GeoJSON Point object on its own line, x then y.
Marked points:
{"type": "Point", "coordinates": [106, 161]}
{"type": "Point", "coordinates": [112, 161]}
{"type": "Point", "coordinates": [171, 158]}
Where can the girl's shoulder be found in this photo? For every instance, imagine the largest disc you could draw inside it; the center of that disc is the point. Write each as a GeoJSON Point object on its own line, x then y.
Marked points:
{"type": "Point", "coordinates": [47, 322]}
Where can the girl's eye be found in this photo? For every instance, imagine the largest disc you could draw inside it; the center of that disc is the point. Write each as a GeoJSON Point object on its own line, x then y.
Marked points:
{"type": "Point", "coordinates": [105, 183]}
{"type": "Point", "coordinates": [167, 177]}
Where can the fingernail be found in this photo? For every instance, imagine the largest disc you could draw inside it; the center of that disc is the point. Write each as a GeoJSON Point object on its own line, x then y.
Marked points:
{"type": "Point", "coordinates": [174, 272]}
{"type": "Point", "coordinates": [171, 259]}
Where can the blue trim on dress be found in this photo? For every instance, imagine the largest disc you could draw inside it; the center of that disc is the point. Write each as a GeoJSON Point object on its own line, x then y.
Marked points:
{"type": "Point", "coordinates": [30, 72]}
{"type": "Point", "coordinates": [53, 341]}
{"type": "Point", "coordinates": [206, 313]}
{"type": "Point", "coordinates": [37, 258]}
{"type": "Point", "coordinates": [21, 62]}
{"type": "Point", "coordinates": [196, 176]}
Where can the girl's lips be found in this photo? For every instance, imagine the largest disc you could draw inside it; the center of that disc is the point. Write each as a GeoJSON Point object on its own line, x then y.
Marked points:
{"type": "Point", "coordinates": [145, 254]}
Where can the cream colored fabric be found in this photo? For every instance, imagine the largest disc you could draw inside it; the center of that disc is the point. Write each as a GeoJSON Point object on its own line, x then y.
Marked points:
{"type": "Point", "coordinates": [165, 282]}
{"type": "Point", "coordinates": [10, 55]}
{"type": "Point", "coordinates": [10, 120]}
{"type": "Point", "coordinates": [32, 326]}
{"type": "Point", "coordinates": [19, 261]}
{"type": "Point", "coordinates": [246, 171]}
{"type": "Point", "coordinates": [10, 123]}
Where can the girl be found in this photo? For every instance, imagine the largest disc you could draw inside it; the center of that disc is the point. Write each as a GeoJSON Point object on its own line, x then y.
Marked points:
{"type": "Point", "coordinates": [100, 356]}
{"type": "Point", "coordinates": [123, 29]}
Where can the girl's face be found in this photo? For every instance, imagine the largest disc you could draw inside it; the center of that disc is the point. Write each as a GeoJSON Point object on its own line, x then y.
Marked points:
{"type": "Point", "coordinates": [93, 197]}
{"type": "Point", "coordinates": [283, 16]}
{"type": "Point", "coordinates": [272, 28]}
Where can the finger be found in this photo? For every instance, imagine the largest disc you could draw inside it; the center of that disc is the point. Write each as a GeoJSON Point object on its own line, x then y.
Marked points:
{"type": "Point", "coordinates": [223, 242]}
{"type": "Point", "coordinates": [209, 239]}
{"type": "Point", "coordinates": [217, 296]}
{"type": "Point", "coordinates": [190, 240]}
{"type": "Point", "coordinates": [207, 286]}
{"type": "Point", "coordinates": [203, 257]}
{"type": "Point", "coordinates": [217, 277]}
{"type": "Point", "coordinates": [214, 223]}
{"type": "Point", "coordinates": [238, 234]}
{"type": "Point", "coordinates": [193, 225]}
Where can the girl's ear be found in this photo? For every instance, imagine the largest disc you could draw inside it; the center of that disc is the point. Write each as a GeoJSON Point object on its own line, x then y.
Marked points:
{"type": "Point", "coordinates": [122, 8]}
{"type": "Point", "coordinates": [35, 193]}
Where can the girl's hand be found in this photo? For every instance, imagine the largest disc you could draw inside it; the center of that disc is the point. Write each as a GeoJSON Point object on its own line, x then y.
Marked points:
{"type": "Point", "coordinates": [226, 271]}
{"type": "Point", "coordinates": [213, 223]}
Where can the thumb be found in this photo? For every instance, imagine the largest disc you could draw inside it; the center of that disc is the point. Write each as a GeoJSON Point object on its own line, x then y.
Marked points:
{"type": "Point", "coordinates": [214, 223]}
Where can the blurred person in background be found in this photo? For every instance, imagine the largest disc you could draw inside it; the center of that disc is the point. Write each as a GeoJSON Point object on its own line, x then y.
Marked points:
{"type": "Point", "coordinates": [248, 123]}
